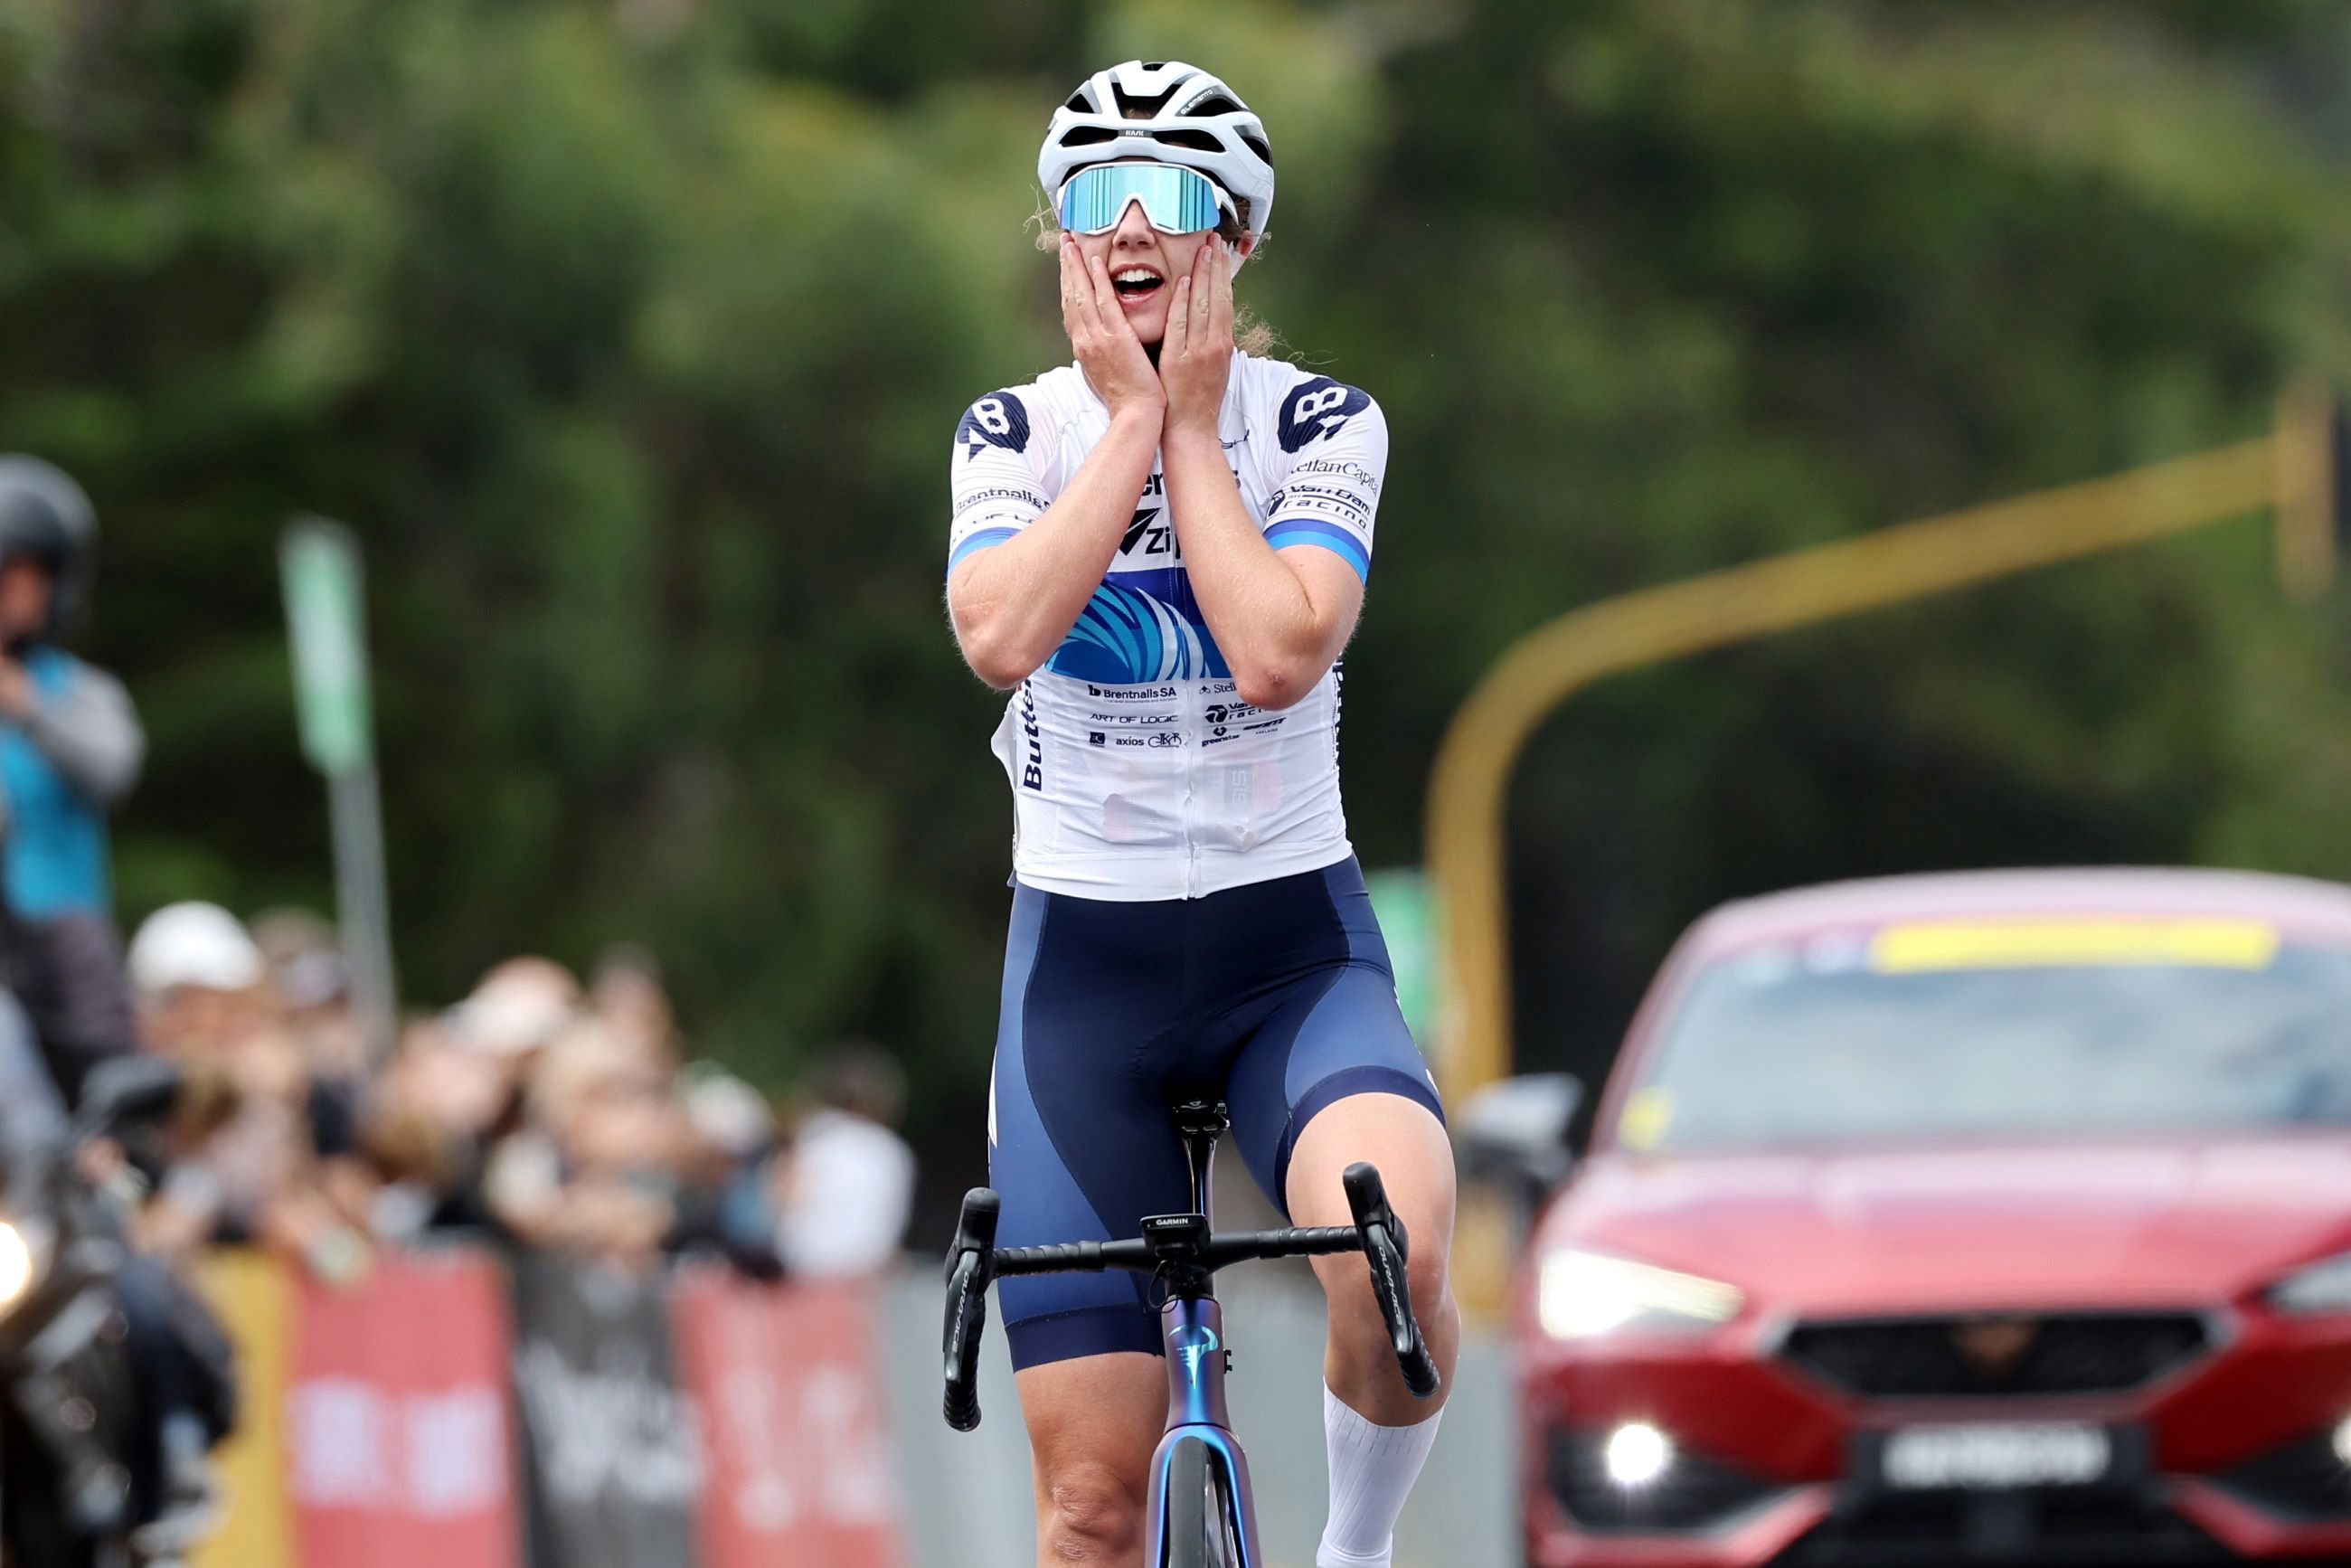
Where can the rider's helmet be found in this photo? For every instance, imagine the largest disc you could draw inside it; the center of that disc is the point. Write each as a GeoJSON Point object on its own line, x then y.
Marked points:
{"type": "Point", "coordinates": [1169, 111]}
{"type": "Point", "coordinates": [45, 514]}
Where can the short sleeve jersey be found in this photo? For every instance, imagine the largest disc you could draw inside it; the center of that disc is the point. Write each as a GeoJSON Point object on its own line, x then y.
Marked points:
{"type": "Point", "coordinates": [1137, 772]}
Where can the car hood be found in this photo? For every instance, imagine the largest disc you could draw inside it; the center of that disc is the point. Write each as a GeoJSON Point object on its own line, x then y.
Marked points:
{"type": "Point", "coordinates": [1977, 1228]}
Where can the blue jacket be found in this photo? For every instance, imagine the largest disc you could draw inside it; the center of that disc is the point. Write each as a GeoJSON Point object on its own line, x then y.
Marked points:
{"type": "Point", "coordinates": [61, 766]}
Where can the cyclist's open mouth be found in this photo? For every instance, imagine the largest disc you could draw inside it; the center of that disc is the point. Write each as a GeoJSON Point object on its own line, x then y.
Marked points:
{"type": "Point", "coordinates": [1135, 284]}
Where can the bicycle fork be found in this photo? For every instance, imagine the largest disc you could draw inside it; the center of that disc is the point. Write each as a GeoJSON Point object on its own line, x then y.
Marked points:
{"type": "Point", "coordinates": [1193, 1328]}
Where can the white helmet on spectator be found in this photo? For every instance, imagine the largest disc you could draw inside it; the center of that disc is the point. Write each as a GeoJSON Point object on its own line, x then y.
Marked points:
{"type": "Point", "coordinates": [520, 1006]}
{"type": "Point", "coordinates": [195, 945]}
{"type": "Point", "coordinates": [1172, 113]}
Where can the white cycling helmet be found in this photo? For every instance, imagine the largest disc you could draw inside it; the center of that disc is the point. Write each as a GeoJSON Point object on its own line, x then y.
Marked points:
{"type": "Point", "coordinates": [1169, 111]}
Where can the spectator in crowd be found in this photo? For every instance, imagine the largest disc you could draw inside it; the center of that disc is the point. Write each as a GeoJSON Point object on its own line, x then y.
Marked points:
{"type": "Point", "coordinates": [70, 747]}
{"type": "Point", "coordinates": [197, 976]}
{"type": "Point", "coordinates": [264, 1171]}
{"type": "Point", "coordinates": [595, 1170]}
{"type": "Point", "coordinates": [311, 982]}
{"type": "Point", "coordinates": [428, 1132]}
{"type": "Point", "coordinates": [843, 1188]}
{"type": "Point", "coordinates": [730, 1141]}
{"type": "Point", "coordinates": [517, 1008]}
{"type": "Point", "coordinates": [628, 996]}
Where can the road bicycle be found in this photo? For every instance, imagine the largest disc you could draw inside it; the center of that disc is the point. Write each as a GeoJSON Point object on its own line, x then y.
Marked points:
{"type": "Point", "coordinates": [1199, 1513]}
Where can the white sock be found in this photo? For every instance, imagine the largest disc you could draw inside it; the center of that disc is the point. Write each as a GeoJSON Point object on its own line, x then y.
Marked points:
{"type": "Point", "coordinates": [1371, 1471]}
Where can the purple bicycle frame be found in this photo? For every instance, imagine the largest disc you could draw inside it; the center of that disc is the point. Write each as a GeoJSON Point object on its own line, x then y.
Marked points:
{"type": "Point", "coordinates": [1192, 1329]}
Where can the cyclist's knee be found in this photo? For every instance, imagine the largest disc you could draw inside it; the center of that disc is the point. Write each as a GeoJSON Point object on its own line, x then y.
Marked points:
{"type": "Point", "coordinates": [1092, 1512]}
{"type": "Point", "coordinates": [1092, 1424]}
{"type": "Point", "coordinates": [1428, 1279]}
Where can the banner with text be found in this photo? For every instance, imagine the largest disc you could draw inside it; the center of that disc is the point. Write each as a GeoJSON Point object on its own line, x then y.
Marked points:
{"type": "Point", "coordinates": [614, 1463]}
{"type": "Point", "coordinates": [798, 1462]}
{"type": "Point", "coordinates": [398, 1438]}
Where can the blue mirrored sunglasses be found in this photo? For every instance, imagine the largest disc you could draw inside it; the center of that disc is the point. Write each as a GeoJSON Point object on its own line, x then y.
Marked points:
{"type": "Point", "coordinates": [1176, 200]}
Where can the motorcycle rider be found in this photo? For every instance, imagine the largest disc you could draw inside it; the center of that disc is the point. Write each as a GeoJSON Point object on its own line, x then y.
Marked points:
{"type": "Point", "coordinates": [70, 747]}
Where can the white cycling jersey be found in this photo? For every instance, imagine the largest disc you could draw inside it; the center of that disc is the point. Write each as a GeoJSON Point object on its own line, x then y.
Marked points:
{"type": "Point", "coordinates": [1137, 772]}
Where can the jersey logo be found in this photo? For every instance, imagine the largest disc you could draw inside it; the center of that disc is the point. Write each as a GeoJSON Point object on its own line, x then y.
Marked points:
{"type": "Point", "coordinates": [1155, 537]}
{"type": "Point", "coordinates": [1127, 637]}
{"type": "Point", "coordinates": [1319, 408]}
{"type": "Point", "coordinates": [997, 420]}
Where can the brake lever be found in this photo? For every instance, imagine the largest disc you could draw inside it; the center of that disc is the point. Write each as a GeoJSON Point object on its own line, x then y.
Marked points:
{"type": "Point", "coordinates": [1386, 1249]}
{"type": "Point", "coordinates": [969, 1269]}
{"type": "Point", "coordinates": [967, 1320]}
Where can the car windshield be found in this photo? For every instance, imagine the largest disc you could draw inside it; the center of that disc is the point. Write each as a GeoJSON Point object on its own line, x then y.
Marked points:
{"type": "Point", "coordinates": [1985, 1029]}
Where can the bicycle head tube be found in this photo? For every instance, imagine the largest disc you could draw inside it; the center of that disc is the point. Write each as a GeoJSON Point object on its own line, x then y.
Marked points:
{"type": "Point", "coordinates": [1199, 1442]}
{"type": "Point", "coordinates": [1192, 1329]}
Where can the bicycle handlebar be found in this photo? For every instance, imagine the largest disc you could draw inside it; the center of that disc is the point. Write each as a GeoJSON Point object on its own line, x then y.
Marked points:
{"type": "Point", "coordinates": [975, 1259]}
{"type": "Point", "coordinates": [1241, 1246]}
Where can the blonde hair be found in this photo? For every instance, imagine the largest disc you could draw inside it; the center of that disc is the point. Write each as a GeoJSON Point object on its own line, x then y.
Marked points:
{"type": "Point", "coordinates": [1252, 334]}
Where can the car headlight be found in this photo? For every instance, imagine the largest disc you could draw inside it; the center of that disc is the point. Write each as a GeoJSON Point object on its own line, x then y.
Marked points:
{"type": "Point", "coordinates": [1581, 1295]}
{"type": "Point", "coordinates": [23, 1255]}
{"type": "Point", "coordinates": [2321, 1287]}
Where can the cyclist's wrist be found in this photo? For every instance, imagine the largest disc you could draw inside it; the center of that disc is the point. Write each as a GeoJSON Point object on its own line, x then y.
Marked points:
{"type": "Point", "coordinates": [1188, 433]}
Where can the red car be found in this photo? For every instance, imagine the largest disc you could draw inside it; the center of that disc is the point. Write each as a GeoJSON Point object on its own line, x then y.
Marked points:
{"type": "Point", "coordinates": [1989, 1218]}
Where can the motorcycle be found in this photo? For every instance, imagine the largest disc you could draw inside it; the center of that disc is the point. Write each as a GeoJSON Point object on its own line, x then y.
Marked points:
{"type": "Point", "coordinates": [71, 1419]}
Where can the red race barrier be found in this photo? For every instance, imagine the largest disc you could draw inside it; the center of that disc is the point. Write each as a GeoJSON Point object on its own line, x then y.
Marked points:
{"type": "Point", "coordinates": [800, 1464]}
{"type": "Point", "coordinates": [399, 1423]}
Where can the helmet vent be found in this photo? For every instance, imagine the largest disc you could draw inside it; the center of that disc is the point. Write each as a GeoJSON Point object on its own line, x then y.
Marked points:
{"type": "Point", "coordinates": [1215, 103]}
{"type": "Point", "coordinates": [1184, 136]}
{"type": "Point", "coordinates": [1087, 135]}
{"type": "Point", "coordinates": [1080, 103]}
{"type": "Point", "coordinates": [1256, 145]}
{"type": "Point", "coordinates": [1135, 106]}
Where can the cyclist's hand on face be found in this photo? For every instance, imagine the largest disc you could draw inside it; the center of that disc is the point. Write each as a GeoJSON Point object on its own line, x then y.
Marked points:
{"type": "Point", "coordinates": [1196, 357]}
{"type": "Point", "coordinates": [1108, 350]}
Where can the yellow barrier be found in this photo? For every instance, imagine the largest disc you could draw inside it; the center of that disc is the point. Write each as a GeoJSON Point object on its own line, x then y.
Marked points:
{"type": "Point", "coordinates": [254, 1295]}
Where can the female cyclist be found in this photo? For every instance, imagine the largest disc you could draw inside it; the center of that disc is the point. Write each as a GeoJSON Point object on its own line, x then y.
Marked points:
{"type": "Point", "coordinates": [1161, 549]}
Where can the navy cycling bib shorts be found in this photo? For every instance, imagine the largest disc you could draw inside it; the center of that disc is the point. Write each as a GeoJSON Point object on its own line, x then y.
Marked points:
{"type": "Point", "coordinates": [1275, 996]}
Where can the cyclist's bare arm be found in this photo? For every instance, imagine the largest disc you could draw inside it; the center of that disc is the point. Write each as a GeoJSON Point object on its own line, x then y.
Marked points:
{"type": "Point", "coordinates": [1280, 618]}
{"type": "Point", "coordinates": [1014, 602]}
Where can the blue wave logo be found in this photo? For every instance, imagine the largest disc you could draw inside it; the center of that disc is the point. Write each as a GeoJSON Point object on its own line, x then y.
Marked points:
{"type": "Point", "coordinates": [1195, 1345]}
{"type": "Point", "coordinates": [1125, 637]}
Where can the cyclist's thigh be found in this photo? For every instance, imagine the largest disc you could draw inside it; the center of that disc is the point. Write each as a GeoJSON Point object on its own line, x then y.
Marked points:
{"type": "Point", "coordinates": [1329, 1034]}
{"type": "Point", "coordinates": [1405, 1139]}
{"type": "Point", "coordinates": [1079, 1142]}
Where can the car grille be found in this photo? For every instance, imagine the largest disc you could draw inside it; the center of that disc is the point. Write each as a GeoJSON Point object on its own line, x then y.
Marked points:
{"type": "Point", "coordinates": [2306, 1479]}
{"type": "Point", "coordinates": [1695, 1493]}
{"type": "Point", "coordinates": [1976, 1357]}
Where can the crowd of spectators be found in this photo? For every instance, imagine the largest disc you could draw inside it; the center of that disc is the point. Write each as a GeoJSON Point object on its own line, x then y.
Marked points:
{"type": "Point", "coordinates": [539, 1110]}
